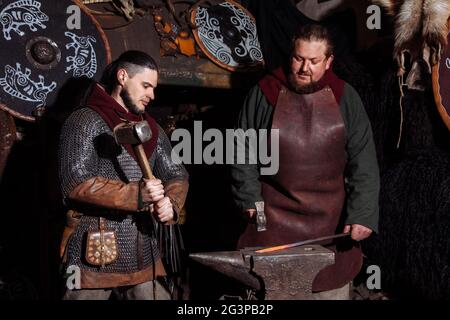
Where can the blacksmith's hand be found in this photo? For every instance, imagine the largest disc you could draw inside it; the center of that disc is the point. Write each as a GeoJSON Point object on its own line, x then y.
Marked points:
{"type": "Point", "coordinates": [358, 232]}
{"type": "Point", "coordinates": [163, 209]}
{"type": "Point", "coordinates": [152, 190]}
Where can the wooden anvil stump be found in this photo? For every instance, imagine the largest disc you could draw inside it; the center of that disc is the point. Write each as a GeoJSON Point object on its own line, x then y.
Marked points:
{"type": "Point", "coordinates": [281, 275]}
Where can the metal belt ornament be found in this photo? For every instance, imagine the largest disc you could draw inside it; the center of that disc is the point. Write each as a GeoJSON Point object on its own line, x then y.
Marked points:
{"type": "Point", "coordinates": [39, 53]}
{"type": "Point", "coordinates": [226, 33]}
{"type": "Point", "coordinates": [441, 83]}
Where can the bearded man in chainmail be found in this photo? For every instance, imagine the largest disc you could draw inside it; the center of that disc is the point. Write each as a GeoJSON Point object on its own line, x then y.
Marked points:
{"type": "Point", "coordinates": [103, 188]}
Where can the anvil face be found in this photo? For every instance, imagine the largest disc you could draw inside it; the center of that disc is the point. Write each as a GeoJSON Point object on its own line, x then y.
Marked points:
{"type": "Point", "coordinates": [286, 274]}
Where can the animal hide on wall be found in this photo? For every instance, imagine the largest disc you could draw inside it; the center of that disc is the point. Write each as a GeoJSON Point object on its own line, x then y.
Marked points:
{"type": "Point", "coordinates": [414, 194]}
{"type": "Point", "coordinates": [421, 31]}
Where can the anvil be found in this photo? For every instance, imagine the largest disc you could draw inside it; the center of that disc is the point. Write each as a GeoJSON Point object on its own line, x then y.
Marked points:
{"type": "Point", "coordinates": [281, 275]}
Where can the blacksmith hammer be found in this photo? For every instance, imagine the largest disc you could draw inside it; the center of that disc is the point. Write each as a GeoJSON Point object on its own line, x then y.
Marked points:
{"type": "Point", "coordinates": [136, 133]}
{"type": "Point", "coordinates": [260, 216]}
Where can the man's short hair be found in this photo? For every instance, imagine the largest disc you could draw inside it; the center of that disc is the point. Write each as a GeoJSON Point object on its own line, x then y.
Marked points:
{"type": "Point", "coordinates": [314, 32]}
{"type": "Point", "coordinates": [132, 61]}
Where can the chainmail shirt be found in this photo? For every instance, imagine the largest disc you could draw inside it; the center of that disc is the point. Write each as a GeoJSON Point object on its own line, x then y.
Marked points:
{"type": "Point", "coordinates": [88, 149]}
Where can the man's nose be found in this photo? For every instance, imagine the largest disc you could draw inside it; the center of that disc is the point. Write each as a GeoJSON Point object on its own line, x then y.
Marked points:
{"type": "Point", "coordinates": [305, 66]}
{"type": "Point", "coordinates": [151, 94]}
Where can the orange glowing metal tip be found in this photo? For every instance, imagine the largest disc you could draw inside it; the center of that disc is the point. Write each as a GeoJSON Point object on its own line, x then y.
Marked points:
{"type": "Point", "coordinates": [301, 243]}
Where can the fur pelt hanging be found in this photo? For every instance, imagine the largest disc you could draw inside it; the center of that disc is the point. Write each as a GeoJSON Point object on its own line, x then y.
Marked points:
{"type": "Point", "coordinates": [413, 246]}
{"type": "Point", "coordinates": [421, 30]}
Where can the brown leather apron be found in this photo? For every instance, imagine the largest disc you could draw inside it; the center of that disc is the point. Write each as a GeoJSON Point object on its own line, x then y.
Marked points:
{"type": "Point", "coordinates": [305, 198]}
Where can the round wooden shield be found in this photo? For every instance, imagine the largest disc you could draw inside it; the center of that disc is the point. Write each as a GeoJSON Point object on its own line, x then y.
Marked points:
{"type": "Point", "coordinates": [44, 44]}
{"type": "Point", "coordinates": [441, 83]}
{"type": "Point", "coordinates": [226, 33]}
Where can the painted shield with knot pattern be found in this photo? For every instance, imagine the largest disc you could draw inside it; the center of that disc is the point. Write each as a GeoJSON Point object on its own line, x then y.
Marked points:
{"type": "Point", "coordinates": [226, 33]}
{"type": "Point", "coordinates": [43, 45]}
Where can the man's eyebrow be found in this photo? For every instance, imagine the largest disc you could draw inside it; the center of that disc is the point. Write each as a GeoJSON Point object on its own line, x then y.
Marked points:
{"type": "Point", "coordinates": [148, 83]}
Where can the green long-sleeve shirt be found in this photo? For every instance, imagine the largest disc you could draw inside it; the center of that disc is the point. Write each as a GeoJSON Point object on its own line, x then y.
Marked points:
{"type": "Point", "coordinates": [361, 173]}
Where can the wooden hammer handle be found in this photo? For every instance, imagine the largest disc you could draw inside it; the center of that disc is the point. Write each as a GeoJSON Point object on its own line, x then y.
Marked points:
{"type": "Point", "coordinates": [143, 161]}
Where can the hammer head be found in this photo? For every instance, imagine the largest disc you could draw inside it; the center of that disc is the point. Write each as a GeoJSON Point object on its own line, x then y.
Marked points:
{"type": "Point", "coordinates": [132, 132]}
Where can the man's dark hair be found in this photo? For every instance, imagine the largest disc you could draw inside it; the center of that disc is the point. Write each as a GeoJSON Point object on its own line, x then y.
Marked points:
{"type": "Point", "coordinates": [314, 32]}
{"type": "Point", "coordinates": [132, 61]}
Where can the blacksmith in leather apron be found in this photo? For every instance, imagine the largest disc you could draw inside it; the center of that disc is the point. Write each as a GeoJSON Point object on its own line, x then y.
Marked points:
{"type": "Point", "coordinates": [305, 199]}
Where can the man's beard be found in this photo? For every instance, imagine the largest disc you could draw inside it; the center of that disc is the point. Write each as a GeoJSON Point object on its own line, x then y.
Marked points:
{"type": "Point", "coordinates": [304, 88]}
{"type": "Point", "coordinates": [126, 98]}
